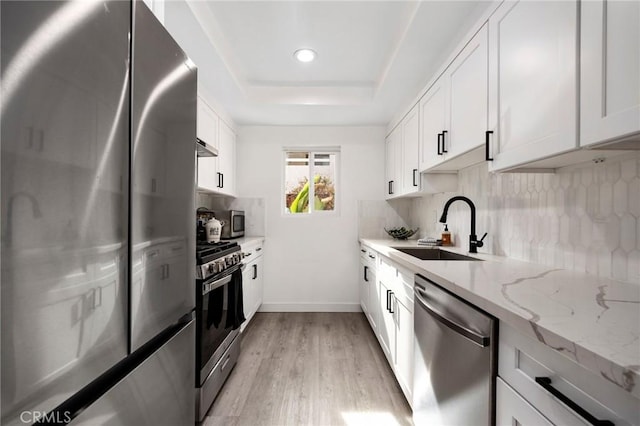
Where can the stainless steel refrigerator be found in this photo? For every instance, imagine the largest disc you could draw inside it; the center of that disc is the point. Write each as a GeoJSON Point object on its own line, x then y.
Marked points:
{"type": "Point", "coordinates": [97, 177]}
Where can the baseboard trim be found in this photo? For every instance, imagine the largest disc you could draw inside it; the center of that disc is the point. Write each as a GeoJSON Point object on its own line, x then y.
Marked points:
{"type": "Point", "coordinates": [310, 307]}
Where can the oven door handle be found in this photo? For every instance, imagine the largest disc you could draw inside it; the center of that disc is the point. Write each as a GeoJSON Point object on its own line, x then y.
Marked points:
{"type": "Point", "coordinates": [208, 287]}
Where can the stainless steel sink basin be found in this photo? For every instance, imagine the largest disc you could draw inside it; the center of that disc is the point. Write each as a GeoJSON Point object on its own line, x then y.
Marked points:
{"type": "Point", "coordinates": [424, 253]}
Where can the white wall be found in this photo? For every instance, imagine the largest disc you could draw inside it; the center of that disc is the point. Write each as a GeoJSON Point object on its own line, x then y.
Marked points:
{"type": "Point", "coordinates": [311, 262]}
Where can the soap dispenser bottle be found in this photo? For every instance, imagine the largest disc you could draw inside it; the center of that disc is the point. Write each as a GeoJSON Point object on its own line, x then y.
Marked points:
{"type": "Point", "coordinates": [446, 236]}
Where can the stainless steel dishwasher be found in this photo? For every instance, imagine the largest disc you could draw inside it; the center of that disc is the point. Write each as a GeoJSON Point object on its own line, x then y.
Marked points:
{"type": "Point", "coordinates": [455, 359]}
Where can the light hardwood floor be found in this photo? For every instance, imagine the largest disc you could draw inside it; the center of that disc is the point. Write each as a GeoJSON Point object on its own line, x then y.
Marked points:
{"type": "Point", "coordinates": [320, 369]}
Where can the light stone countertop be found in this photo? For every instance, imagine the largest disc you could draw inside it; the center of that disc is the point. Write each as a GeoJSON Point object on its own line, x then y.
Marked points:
{"type": "Point", "coordinates": [247, 241]}
{"type": "Point", "coordinates": [593, 321]}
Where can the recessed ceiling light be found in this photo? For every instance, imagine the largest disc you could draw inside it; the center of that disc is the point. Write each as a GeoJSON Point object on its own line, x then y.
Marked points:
{"type": "Point", "coordinates": [304, 55]}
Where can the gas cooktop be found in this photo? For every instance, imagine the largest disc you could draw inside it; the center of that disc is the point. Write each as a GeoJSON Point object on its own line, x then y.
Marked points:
{"type": "Point", "coordinates": [206, 252]}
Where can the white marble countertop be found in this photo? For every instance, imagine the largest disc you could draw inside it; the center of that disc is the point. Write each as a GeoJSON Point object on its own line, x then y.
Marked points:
{"type": "Point", "coordinates": [247, 241]}
{"type": "Point", "coordinates": [593, 321]}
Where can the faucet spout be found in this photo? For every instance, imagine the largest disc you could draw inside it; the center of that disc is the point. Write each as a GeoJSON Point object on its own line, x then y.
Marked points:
{"type": "Point", "coordinates": [473, 238]}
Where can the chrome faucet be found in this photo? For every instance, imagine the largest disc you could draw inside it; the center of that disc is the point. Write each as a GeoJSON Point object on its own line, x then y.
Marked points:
{"type": "Point", "coordinates": [35, 211]}
{"type": "Point", "coordinates": [473, 238]}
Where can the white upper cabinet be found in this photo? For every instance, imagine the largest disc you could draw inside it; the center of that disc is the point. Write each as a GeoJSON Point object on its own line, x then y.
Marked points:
{"type": "Point", "coordinates": [410, 142]}
{"type": "Point", "coordinates": [207, 127]}
{"type": "Point", "coordinates": [466, 79]}
{"type": "Point", "coordinates": [453, 112]}
{"type": "Point", "coordinates": [610, 71]}
{"type": "Point", "coordinates": [393, 156]}
{"type": "Point", "coordinates": [532, 81]}
{"type": "Point", "coordinates": [432, 123]}
{"type": "Point", "coordinates": [226, 159]}
{"type": "Point", "coordinates": [216, 174]}
{"type": "Point", "coordinates": [207, 131]}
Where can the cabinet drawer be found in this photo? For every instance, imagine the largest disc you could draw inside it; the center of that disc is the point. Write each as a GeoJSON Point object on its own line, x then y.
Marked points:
{"type": "Point", "coordinates": [404, 287]}
{"type": "Point", "coordinates": [252, 251]}
{"type": "Point", "coordinates": [512, 409]}
{"type": "Point", "coordinates": [521, 360]}
{"type": "Point", "coordinates": [386, 269]}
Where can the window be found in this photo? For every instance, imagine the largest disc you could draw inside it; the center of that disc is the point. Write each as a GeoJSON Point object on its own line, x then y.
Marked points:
{"type": "Point", "coordinates": [302, 167]}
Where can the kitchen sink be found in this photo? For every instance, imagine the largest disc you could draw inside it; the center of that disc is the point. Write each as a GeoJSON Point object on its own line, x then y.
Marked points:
{"type": "Point", "coordinates": [433, 254]}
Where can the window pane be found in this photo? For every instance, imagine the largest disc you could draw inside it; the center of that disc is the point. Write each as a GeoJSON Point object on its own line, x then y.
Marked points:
{"type": "Point", "coordinates": [296, 182]}
{"type": "Point", "coordinates": [324, 166]}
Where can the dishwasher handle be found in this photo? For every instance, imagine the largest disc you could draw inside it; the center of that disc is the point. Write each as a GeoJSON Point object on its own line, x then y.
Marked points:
{"type": "Point", "coordinates": [478, 339]}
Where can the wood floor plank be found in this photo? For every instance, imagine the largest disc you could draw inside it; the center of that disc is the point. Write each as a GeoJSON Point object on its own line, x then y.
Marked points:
{"type": "Point", "coordinates": [316, 369]}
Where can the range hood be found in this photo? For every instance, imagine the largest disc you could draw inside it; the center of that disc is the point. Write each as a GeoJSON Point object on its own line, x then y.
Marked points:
{"type": "Point", "coordinates": [205, 150]}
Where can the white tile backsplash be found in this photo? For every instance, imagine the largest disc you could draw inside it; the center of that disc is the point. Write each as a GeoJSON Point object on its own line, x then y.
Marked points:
{"type": "Point", "coordinates": [254, 210]}
{"type": "Point", "coordinates": [585, 217]}
{"type": "Point", "coordinates": [375, 215]}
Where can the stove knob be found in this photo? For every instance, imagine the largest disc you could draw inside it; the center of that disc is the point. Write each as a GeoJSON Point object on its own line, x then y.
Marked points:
{"type": "Point", "coordinates": [220, 265]}
{"type": "Point", "coordinates": [211, 269]}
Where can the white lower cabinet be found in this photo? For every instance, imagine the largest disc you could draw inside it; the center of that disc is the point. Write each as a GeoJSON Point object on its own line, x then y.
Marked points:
{"type": "Point", "coordinates": [404, 346]}
{"type": "Point", "coordinates": [512, 409]}
{"type": "Point", "coordinates": [537, 385]}
{"type": "Point", "coordinates": [368, 288]}
{"type": "Point", "coordinates": [389, 310]}
{"type": "Point", "coordinates": [252, 281]}
{"type": "Point", "coordinates": [386, 331]}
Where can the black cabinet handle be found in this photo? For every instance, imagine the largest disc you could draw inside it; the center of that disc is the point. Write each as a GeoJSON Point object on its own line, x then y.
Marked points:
{"type": "Point", "coordinates": [388, 292]}
{"type": "Point", "coordinates": [444, 141]}
{"type": "Point", "coordinates": [391, 187]}
{"type": "Point", "coordinates": [363, 251]}
{"type": "Point", "coordinates": [391, 303]}
{"type": "Point", "coordinates": [545, 382]}
{"type": "Point", "coordinates": [222, 180]}
{"type": "Point", "coordinates": [486, 145]}
{"type": "Point", "coordinates": [219, 181]}
{"type": "Point", "coordinates": [255, 272]}
{"type": "Point", "coordinates": [439, 142]}
{"type": "Point", "coordinates": [414, 177]}
{"type": "Point", "coordinates": [365, 274]}
{"type": "Point", "coordinates": [372, 256]}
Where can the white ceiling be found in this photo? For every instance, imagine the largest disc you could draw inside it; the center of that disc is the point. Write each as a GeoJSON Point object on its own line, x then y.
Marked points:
{"type": "Point", "coordinates": [373, 56]}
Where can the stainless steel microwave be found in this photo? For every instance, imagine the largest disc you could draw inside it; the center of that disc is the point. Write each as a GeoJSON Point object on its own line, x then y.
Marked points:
{"type": "Point", "coordinates": [233, 223]}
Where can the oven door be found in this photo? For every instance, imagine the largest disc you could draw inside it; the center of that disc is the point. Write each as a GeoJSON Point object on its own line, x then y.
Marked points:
{"type": "Point", "coordinates": [214, 334]}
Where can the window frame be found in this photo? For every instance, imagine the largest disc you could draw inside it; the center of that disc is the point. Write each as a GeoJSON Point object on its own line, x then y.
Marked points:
{"type": "Point", "coordinates": [336, 181]}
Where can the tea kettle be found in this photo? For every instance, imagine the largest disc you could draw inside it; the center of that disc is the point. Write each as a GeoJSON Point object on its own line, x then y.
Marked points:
{"type": "Point", "coordinates": [213, 229]}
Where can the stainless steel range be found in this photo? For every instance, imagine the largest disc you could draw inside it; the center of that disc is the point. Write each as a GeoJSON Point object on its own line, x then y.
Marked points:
{"type": "Point", "coordinates": [218, 317]}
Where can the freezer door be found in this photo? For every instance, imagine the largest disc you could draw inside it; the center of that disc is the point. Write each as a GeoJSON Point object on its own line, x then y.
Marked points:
{"type": "Point", "coordinates": [159, 392]}
{"type": "Point", "coordinates": [163, 129]}
{"type": "Point", "coordinates": [65, 161]}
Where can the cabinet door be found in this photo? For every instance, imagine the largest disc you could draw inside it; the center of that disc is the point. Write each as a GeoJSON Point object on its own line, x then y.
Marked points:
{"type": "Point", "coordinates": [207, 130]}
{"type": "Point", "coordinates": [466, 79]}
{"type": "Point", "coordinates": [386, 325]}
{"type": "Point", "coordinates": [227, 159]}
{"type": "Point", "coordinates": [374, 300]}
{"type": "Point", "coordinates": [207, 124]}
{"type": "Point", "coordinates": [364, 287]}
{"type": "Point", "coordinates": [258, 284]}
{"type": "Point", "coordinates": [512, 409]}
{"type": "Point", "coordinates": [610, 70]}
{"type": "Point", "coordinates": [532, 81]}
{"type": "Point", "coordinates": [248, 294]}
{"type": "Point", "coordinates": [410, 141]}
{"type": "Point", "coordinates": [404, 346]}
{"type": "Point", "coordinates": [432, 124]}
{"type": "Point", "coordinates": [392, 143]}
